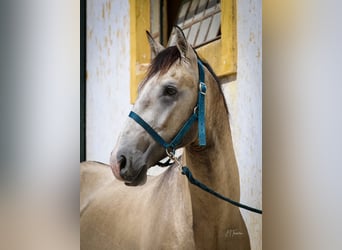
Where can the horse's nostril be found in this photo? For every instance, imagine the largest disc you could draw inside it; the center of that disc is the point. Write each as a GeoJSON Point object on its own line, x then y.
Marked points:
{"type": "Point", "coordinates": [122, 161]}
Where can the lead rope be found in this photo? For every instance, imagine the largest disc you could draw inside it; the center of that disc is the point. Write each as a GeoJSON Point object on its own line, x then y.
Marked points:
{"type": "Point", "coordinates": [186, 171]}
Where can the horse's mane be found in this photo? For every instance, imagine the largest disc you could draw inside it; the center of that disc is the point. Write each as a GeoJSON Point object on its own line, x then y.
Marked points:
{"type": "Point", "coordinates": [217, 80]}
{"type": "Point", "coordinates": [166, 58]}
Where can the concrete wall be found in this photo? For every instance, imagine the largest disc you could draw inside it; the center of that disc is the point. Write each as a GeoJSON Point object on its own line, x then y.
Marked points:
{"type": "Point", "coordinates": [108, 104]}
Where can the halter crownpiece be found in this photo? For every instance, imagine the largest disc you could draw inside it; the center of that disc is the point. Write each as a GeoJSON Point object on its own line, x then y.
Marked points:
{"type": "Point", "coordinates": [198, 114]}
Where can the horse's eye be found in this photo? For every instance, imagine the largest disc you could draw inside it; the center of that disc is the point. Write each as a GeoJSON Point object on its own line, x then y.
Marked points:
{"type": "Point", "coordinates": [170, 90]}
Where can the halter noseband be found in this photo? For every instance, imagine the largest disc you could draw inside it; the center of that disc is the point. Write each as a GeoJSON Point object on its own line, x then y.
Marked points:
{"type": "Point", "coordinates": [198, 114]}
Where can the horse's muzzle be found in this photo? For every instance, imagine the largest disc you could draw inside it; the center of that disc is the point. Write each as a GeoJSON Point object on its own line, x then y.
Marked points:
{"type": "Point", "coordinates": [116, 168]}
{"type": "Point", "coordinates": [124, 170]}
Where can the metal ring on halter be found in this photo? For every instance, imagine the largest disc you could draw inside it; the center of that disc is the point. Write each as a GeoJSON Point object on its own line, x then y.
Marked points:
{"type": "Point", "coordinates": [195, 109]}
{"type": "Point", "coordinates": [171, 154]}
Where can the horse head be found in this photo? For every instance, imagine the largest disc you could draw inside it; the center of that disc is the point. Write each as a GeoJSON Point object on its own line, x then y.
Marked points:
{"type": "Point", "coordinates": [166, 99]}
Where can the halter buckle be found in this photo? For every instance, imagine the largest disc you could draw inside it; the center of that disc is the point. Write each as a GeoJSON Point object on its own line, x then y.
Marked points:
{"type": "Point", "coordinates": [202, 88]}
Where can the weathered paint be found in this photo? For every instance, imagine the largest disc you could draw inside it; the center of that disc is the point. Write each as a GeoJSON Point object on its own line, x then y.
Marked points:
{"type": "Point", "coordinates": [140, 56]}
{"type": "Point", "coordinates": [108, 92]}
{"type": "Point", "coordinates": [221, 54]}
{"type": "Point", "coordinates": [108, 75]}
{"type": "Point", "coordinates": [244, 98]}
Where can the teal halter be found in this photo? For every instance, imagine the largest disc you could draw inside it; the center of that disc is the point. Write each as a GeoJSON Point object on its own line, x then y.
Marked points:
{"type": "Point", "coordinates": [198, 114]}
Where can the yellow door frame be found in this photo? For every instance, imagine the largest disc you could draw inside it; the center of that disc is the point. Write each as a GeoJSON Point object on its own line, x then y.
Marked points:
{"type": "Point", "coordinates": [220, 54]}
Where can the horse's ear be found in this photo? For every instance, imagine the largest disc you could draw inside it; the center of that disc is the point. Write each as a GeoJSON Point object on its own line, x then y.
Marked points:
{"type": "Point", "coordinates": [183, 46]}
{"type": "Point", "coordinates": [154, 45]}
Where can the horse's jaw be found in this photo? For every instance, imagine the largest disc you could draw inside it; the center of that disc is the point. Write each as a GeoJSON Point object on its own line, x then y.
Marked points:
{"type": "Point", "coordinates": [140, 178]}
{"type": "Point", "coordinates": [136, 178]}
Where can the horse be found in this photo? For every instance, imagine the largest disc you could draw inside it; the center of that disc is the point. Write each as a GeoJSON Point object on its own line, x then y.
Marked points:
{"type": "Point", "coordinates": [138, 211]}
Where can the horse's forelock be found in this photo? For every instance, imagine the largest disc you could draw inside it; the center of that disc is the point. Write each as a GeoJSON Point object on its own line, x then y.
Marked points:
{"type": "Point", "coordinates": [162, 62]}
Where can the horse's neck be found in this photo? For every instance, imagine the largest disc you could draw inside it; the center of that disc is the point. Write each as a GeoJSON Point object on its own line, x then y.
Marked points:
{"type": "Point", "coordinates": [214, 165]}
